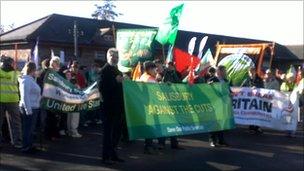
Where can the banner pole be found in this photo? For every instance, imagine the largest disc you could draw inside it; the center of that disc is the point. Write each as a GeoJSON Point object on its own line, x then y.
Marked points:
{"type": "Point", "coordinates": [114, 37]}
{"type": "Point", "coordinates": [271, 54]}
{"type": "Point", "coordinates": [16, 56]}
{"type": "Point", "coordinates": [163, 50]}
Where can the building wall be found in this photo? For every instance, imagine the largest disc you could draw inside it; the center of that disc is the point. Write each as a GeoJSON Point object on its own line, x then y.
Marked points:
{"type": "Point", "coordinates": [87, 55]}
{"type": "Point", "coordinates": [20, 53]}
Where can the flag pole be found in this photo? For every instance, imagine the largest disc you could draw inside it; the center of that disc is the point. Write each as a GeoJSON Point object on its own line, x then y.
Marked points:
{"type": "Point", "coordinates": [163, 51]}
{"type": "Point", "coordinates": [114, 37]}
{"type": "Point", "coordinates": [271, 54]}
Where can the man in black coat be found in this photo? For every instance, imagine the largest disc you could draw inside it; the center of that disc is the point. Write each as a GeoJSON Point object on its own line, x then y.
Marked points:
{"type": "Point", "coordinates": [112, 93]}
{"type": "Point", "coordinates": [217, 138]}
{"type": "Point", "coordinates": [253, 81]}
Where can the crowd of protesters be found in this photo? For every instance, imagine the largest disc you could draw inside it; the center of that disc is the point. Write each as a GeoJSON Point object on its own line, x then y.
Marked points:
{"type": "Point", "coordinates": [20, 100]}
{"type": "Point", "coordinates": [21, 94]}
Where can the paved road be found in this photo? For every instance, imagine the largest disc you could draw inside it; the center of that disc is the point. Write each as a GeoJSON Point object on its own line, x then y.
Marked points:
{"type": "Point", "coordinates": [270, 151]}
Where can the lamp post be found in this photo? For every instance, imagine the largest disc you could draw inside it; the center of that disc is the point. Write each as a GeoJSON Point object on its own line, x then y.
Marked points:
{"type": "Point", "coordinates": [76, 34]}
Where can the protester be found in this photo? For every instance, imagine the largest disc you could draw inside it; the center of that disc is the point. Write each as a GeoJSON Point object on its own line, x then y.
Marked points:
{"type": "Point", "coordinates": [253, 81]}
{"type": "Point", "coordinates": [150, 73]}
{"type": "Point", "coordinates": [73, 117]}
{"type": "Point", "coordinates": [92, 76]}
{"type": "Point", "coordinates": [159, 70]}
{"type": "Point", "coordinates": [40, 81]}
{"type": "Point", "coordinates": [170, 76]}
{"type": "Point", "coordinates": [111, 90]}
{"type": "Point", "coordinates": [9, 100]}
{"type": "Point", "coordinates": [217, 138]}
{"type": "Point", "coordinates": [203, 78]}
{"type": "Point", "coordinates": [299, 75]}
{"type": "Point", "coordinates": [149, 76]}
{"type": "Point", "coordinates": [300, 85]}
{"type": "Point", "coordinates": [53, 118]}
{"type": "Point", "coordinates": [301, 105]}
{"type": "Point", "coordinates": [289, 83]}
{"type": "Point", "coordinates": [287, 86]}
{"type": "Point", "coordinates": [159, 78]}
{"type": "Point", "coordinates": [82, 69]}
{"type": "Point", "coordinates": [279, 75]}
{"type": "Point", "coordinates": [270, 82]}
{"type": "Point", "coordinates": [62, 116]}
{"type": "Point", "coordinates": [81, 82]}
{"type": "Point", "coordinates": [211, 73]}
{"type": "Point", "coordinates": [30, 96]}
{"type": "Point", "coordinates": [44, 68]}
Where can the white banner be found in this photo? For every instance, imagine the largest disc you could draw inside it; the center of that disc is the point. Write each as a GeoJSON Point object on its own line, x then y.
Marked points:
{"type": "Point", "coordinates": [265, 108]}
{"type": "Point", "coordinates": [61, 95]}
{"type": "Point", "coordinates": [57, 93]}
{"type": "Point", "coordinates": [242, 50]}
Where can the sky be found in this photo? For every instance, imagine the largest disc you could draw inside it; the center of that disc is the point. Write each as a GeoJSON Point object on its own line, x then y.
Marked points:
{"type": "Point", "coordinates": [279, 21]}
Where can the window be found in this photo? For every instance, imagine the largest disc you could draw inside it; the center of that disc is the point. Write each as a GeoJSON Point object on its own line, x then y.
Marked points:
{"type": "Point", "coordinates": [100, 55]}
{"type": "Point", "coordinates": [108, 38]}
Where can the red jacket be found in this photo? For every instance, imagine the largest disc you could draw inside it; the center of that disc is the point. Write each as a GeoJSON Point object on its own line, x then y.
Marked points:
{"type": "Point", "coordinates": [80, 80]}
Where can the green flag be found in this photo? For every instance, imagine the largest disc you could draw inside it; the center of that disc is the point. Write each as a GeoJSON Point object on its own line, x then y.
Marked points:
{"type": "Point", "coordinates": [237, 66]}
{"type": "Point", "coordinates": [134, 45]}
{"type": "Point", "coordinates": [167, 32]}
{"type": "Point", "coordinates": [291, 70]}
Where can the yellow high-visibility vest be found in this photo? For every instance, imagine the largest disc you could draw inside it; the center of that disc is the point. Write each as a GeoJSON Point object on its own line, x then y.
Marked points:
{"type": "Point", "coordinates": [9, 92]}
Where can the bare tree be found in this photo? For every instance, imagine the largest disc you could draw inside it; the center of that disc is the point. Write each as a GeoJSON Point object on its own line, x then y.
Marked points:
{"type": "Point", "coordinates": [4, 28]}
{"type": "Point", "coordinates": [1, 29]}
{"type": "Point", "coordinates": [106, 11]}
{"type": "Point", "coordinates": [11, 26]}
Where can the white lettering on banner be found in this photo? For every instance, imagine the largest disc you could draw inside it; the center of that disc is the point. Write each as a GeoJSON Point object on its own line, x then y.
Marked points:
{"type": "Point", "coordinates": [52, 77]}
{"type": "Point", "coordinates": [52, 104]}
{"type": "Point", "coordinates": [93, 104]}
{"type": "Point", "coordinates": [266, 108]}
{"type": "Point", "coordinates": [65, 107]}
{"type": "Point", "coordinates": [252, 104]}
{"type": "Point", "coordinates": [185, 128]}
{"type": "Point", "coordinates": [53, 92]}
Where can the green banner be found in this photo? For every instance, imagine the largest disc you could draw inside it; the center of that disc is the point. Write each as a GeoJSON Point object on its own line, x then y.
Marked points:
{"type": "Point", "coordinates": [237, 66]}
{"type": "Point", "coordinates": [62, 96]}
{"type": "Point", "coordinates": [134, 45]}
{"type": "Point", "coordinates": [162, 110]}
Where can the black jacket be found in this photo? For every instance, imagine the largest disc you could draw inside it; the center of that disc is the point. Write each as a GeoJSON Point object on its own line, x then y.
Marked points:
{"type": "Point", "coordinates": [249, 82]}
{"type": "Point", "coordinates": [215, 80]}
{"type": "Point", "coordinates": [40, 79]}
{"type": "Point", "coordinates": [171, 76]}
{"type": "Point", "coordinates": [110, 89]}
